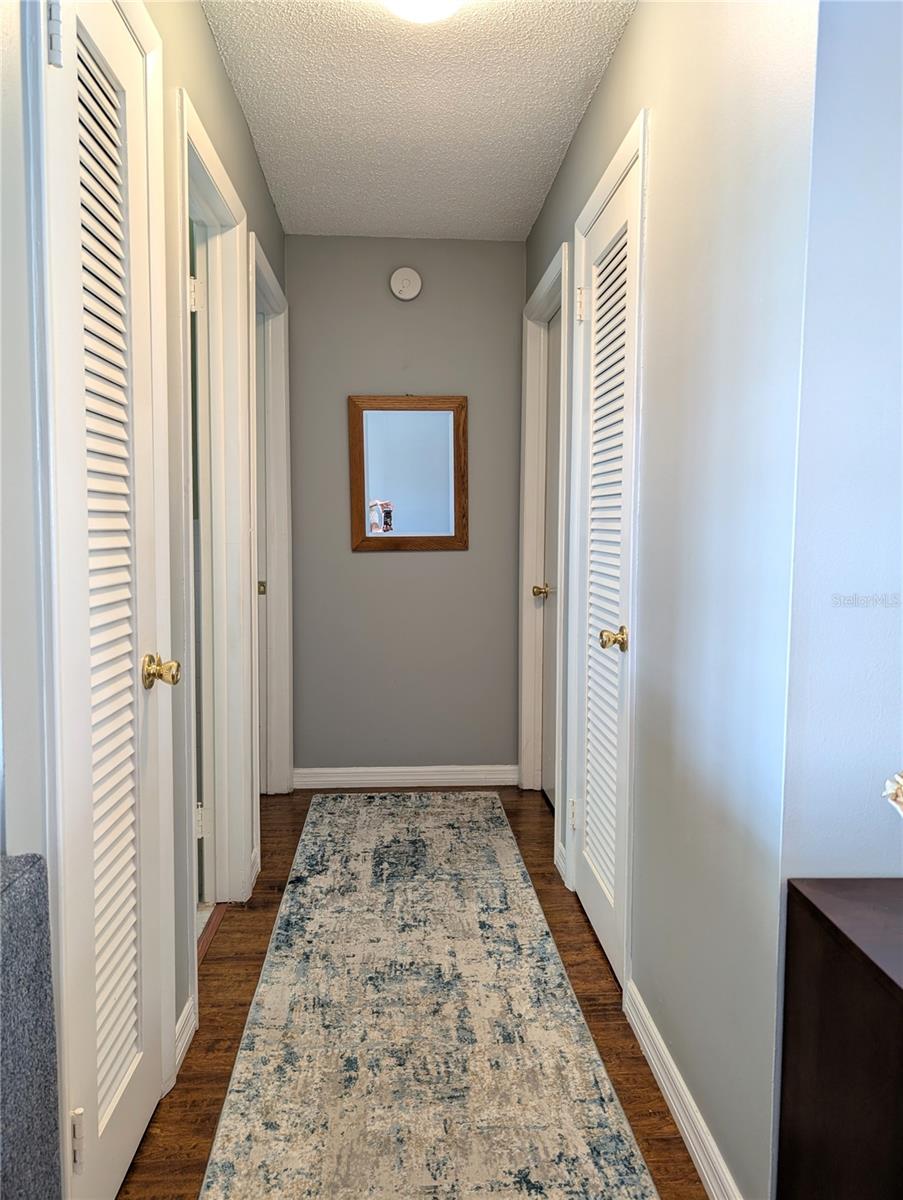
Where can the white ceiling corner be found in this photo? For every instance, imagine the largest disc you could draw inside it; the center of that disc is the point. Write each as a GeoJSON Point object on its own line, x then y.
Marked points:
{"type": "Point", "coordinates": [366, 124]}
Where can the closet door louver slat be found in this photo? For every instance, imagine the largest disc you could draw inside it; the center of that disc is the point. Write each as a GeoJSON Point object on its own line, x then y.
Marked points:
{"type": "Point", "coordinates": [108, 460]}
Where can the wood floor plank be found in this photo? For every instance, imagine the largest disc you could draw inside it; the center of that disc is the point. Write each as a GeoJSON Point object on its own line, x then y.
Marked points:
{"type": "Point", "coordinates": [171, 1159]}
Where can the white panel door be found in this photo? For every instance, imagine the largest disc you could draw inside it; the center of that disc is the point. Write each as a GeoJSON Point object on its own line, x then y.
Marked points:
{"type": "Point", "coordinates": [549, 766]}
{"type": "Point", "coordinates": [607, 453]}
{"type": "Point", "coordinates": [110, 514]}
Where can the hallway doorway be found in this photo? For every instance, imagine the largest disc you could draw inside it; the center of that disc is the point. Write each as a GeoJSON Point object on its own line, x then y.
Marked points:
{"type": "Point", "coordinates": [213, 578]}
{"type": "Point", "coordinates": [552, 580]}
{"type": "Point", "coordinates": [272, 527]}
{"type": "Point", "coordinates": [545, 424]}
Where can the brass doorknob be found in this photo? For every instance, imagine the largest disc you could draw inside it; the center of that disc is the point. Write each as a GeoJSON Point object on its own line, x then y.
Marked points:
{"type": "Point", "coordinates": [541, 590]}
{"type": "Point", "coordinates": [153, 668]}
{"type": "Point", "coordinates": [609, 638]}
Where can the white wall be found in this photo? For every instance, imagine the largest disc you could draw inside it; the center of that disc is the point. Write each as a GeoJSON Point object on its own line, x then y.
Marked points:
{"type": "Point", "coordinates": [845, 715]}
{"type": "Point", "coordinates": [729, 89]}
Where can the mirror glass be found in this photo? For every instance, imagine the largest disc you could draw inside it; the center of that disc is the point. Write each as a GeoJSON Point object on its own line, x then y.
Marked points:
{"type": "Point", "coordinates": [409, 473]}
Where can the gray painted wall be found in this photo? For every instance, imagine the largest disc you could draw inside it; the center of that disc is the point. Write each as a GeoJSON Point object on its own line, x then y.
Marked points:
{"type": "Point", "coordinates": [191, 60]}
{"type": "Point", "coordinates": [845, 720]}
{"type": "Point", "coordinates": [404, 658]}
{"type": "Point", "coordinates": [729, 88]}
{"type": "Point", "coordinates": [22, 776]}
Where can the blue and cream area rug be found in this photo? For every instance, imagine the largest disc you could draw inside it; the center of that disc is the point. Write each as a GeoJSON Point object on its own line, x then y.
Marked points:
{"type": "Point", "coordinates": [414, 1034]}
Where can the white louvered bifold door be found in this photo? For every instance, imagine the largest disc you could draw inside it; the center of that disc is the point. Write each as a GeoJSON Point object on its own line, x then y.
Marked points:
{"type": "Point", "coordinates": [114, 787]}
{"type": "Point", "coordinates": [608, 372]}
{"type": "Point", "coordinates": [111, 575]}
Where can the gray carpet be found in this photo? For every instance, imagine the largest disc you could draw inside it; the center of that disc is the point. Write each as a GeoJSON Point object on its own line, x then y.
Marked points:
{"type": "Point", "coordinates": [414, 1033]}
{"type": "Point", "coordinates": [29, 1126]}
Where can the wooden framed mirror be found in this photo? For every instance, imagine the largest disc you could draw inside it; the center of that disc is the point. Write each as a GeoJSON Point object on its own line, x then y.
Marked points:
{"type": "Point", "coordinates": [408, 462]}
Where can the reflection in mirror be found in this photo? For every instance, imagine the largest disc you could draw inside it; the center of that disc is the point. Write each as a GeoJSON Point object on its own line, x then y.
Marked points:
{"type": "Point", "coordinates": [409, 462]}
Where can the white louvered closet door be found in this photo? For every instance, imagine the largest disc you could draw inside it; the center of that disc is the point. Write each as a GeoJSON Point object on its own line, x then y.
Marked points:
{"type": "Point", "coordinates": [114, 769]}
{"type": "Point", "coordinates": [608, 450]}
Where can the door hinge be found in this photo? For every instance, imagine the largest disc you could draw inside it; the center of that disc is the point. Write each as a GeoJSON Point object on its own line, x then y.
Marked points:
{"type": "Point", "coordinates": [55, 33]}
{"type": "Point", "coordinates": [200, 824]}
{"type": "Point", "coordinates": [77, 1120]}
{"type": "Point", "coordinates": [580, 304]}
{"type": "Point", "coordinates": [572, 813]}
{"type": "Point", "coordinates": [194, 294]}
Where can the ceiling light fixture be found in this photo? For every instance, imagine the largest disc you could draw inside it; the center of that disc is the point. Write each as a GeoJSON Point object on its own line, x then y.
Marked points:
{"type": "Point", "coordinates": [423, 12]}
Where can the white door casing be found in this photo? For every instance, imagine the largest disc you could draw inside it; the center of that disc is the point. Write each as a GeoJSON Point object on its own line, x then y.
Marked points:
{"type": "Point", "coordinates": [205, 195]}
{"type": "Point", "coordinates": [273, 528]}
{"type": "Point", "coordinates": [200, 191]}
{"type": "Point", "coordinates": [552, 602]}
{"type": "Point", "coordinates": [200, 690]}
{"type": "Point", "coordinates": [108, 518]}
{"type": "Point", "coordinates": [550, 297]}
{"type": "Point", "coordinates": [607, 273]}
{"type": "Point", "coordinates": [260, 383]}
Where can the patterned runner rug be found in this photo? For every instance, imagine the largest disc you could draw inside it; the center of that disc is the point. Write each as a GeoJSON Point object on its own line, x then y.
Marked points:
{"type": "Point", "coordinates": [414, 1034]}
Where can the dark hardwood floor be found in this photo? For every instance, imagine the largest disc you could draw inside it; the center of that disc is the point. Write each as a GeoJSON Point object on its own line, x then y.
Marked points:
{"type": "Point", "coordinates": [172, 1156]}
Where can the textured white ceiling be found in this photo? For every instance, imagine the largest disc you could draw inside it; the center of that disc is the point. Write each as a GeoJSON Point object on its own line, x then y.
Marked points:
{"type": "Point", "coordinates": [367, 124]}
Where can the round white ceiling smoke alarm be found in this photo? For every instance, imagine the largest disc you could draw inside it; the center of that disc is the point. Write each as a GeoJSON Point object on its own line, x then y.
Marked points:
{"type": "Point", "coordinates": [405, 283]}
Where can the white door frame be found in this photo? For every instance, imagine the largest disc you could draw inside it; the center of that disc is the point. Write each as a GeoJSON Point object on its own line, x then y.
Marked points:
{"type": "Point", "coordinates": [550, 295]}
{"type": "Point", "coordinates": [266, 296]}
{"type": "Point", "coordinates": [632, 150]}
{"type": "Point", "coordinates": [55, 438]}
{"type": "Point", "coordinates": [201, 657]}
{"type": "Point", "coordinates": [205, 192]}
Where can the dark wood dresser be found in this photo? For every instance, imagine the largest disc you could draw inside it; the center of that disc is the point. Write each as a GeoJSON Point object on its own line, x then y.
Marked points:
{"type": "Point", "coordinates": [841, 1123]}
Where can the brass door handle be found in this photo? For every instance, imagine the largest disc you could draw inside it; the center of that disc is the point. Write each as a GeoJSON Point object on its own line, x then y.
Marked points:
{"type": "Point", "coordinates": [541, 590]}
{"type": "Point", "coordinates": [153, 668]}
{"type": "Point", "coordinates": [609, 638]}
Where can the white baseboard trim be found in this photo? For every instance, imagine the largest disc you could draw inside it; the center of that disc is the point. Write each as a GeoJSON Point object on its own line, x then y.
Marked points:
{"type": "Point", "coordinates": [185, 1029]}
{"type": "Point", "coordinates": [713, 1170]}
{"type": "Point", "coordinates": [561, 865]}
{"type": "Point", "coordinates": [467, 776]}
